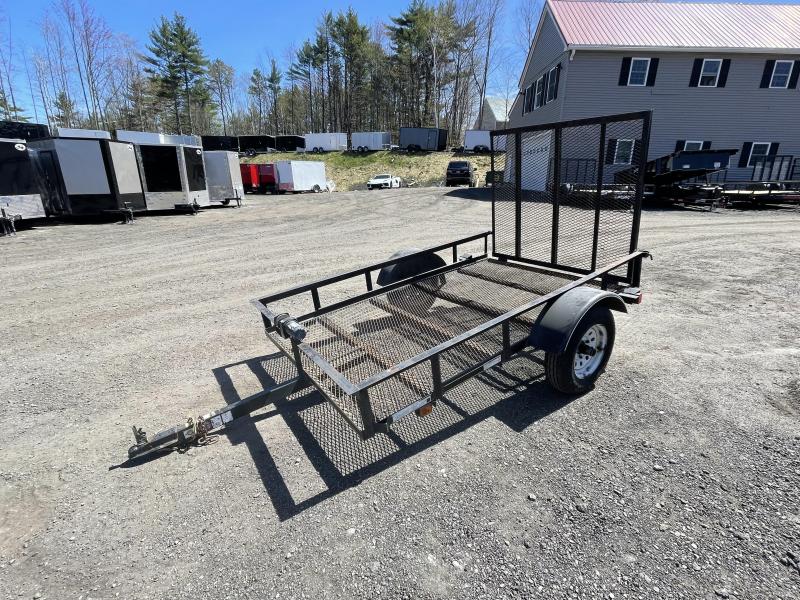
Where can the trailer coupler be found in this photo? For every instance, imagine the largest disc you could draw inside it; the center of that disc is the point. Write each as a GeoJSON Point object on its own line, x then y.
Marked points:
{"type": "Point", "coordinates": [199, 431]}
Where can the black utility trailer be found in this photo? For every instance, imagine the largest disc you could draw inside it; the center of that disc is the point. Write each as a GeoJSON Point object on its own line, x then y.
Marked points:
{"type": "Point", "coordinates": [425, 321]}
{"type": "Point", "coordinates": [687, 176]}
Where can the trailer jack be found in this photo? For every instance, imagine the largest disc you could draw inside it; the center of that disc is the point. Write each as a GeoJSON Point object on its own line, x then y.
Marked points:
{"type": "Point", "coordinates": [199, 431]}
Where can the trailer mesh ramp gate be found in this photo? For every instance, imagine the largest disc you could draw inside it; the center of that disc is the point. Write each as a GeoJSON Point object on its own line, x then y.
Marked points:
{"type": "Point", "coordinates": [569, 193]}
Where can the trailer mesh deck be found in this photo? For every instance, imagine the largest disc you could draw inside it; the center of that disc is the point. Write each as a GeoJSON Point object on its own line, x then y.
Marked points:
{"type": "Point", "coordinates": [372, 335]}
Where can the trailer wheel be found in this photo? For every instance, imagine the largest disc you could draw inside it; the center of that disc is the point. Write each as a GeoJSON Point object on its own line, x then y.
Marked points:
{"type": "Point", "coordinates": [575, 370]}
{"type": "Point", "coordinates": [226, 202]}
{"type": "Point", "coordinates": [412, 298]}
{"type": "Point", "coordinates": [316, 189]}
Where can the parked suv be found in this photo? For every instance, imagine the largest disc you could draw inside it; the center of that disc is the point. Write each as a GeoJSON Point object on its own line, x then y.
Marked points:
{"type": "Point", "coordinates": [460, 172]}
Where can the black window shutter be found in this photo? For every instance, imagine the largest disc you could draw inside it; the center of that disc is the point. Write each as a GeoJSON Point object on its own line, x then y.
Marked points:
{"type": "Point", "coordinates": [745, 155]}
{"type": "Point", "coordinates": [707, 145]}
{"type": "Point", "coordinates": [679, 145]}
{"type": "Point", "coordinates": [651, 74]}
{"type": "Point", "coordinates": [611, 148]}
{"type": "Point", "coordinates": [558, 78]}
{"type": "Point", "coordinates": [625, 70]}
{"type": "Point", "coordinates": [636, 155]}
{"type": "Point", "coordinates": [544, 87]}
{"type": "Point", "coordinates": [698, 65]}
{"type": "Point", "coordinates": [773, 148]}
{"type": "Point", "coordinates": [769, 66]}
{"type": "Point", "coordinates": [723, 72]}
{"type": "Point", "coordinates": [795, 75]}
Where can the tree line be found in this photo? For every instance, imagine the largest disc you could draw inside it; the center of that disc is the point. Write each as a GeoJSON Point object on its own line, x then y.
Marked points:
{"type": "Point", "coordinates": [428, 66]}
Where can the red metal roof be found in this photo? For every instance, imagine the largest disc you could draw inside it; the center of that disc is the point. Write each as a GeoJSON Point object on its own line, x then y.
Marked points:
{"type": "Point", "coordinates": [673, 25]}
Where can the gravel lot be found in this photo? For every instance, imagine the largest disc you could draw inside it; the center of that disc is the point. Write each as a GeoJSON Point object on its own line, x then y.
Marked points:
{"type": "Point", "coordinates": [678, 477]}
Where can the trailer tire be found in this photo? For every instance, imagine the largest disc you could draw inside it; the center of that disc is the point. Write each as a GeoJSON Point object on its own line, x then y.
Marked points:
{"type": "Point", "coordinates": [413, 298]}
{"type": "Point", "coordinates": [316, 189]}
{"type": "Point", "coordinates": [225, 202]}
{"type": "Point", "coordinates": [574, 372]}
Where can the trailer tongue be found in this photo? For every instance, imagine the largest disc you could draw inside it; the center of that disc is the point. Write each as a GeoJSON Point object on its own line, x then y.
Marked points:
{"type": "Point", "coordinates": [561, 260]}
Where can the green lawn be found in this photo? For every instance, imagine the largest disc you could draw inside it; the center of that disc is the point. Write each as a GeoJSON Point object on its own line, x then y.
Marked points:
{"type": "Point", "coordinates": [350, 171]}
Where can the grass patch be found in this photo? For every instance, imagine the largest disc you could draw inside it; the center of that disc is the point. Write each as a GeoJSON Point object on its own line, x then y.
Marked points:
{"type": "Point", "coordinates": [351, 171]}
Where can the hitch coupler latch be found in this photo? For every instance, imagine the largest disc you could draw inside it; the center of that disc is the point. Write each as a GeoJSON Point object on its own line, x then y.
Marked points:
{"type": "Point", "coordinates": [289, 328]}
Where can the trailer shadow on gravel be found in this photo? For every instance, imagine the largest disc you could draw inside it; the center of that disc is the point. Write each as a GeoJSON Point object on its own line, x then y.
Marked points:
{"type": "Point", "coordinates": [514, 394]}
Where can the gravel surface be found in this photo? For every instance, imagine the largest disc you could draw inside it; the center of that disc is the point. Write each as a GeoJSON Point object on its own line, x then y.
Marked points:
{"type": "Point", "coordinates": [678, 477]}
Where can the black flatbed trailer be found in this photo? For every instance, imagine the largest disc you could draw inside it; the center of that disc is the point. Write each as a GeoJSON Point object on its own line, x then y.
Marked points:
{"type": "Point", "coordinates": [427, 320]}
{"type": "Point", "coordinates": [683, 176]}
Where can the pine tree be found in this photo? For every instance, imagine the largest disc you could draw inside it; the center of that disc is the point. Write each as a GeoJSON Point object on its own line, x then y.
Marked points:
{"type": "Point", "coordinates": [178, 66]}
{"type": "Point", "coordinates": [190, 63]}
{"type": "Point", "coordinates": [274, 85]}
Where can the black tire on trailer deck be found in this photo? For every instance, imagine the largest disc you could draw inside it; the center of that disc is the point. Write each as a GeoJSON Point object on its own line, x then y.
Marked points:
{"type": "Point", "coordinates": [576, 369]}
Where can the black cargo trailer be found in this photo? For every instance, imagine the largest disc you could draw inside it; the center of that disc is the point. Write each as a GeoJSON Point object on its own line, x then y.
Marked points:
{"type": "Point", "coordinates": [255, 144]}
{"type": "Point", "coordinates": [89, 173]}
{"type": "Point", "coordinates": [423, 138]}
{"type": "Point", "coordinates": [23, 131]}
{"type": "Point", "coordinates": [229, 143]}
{"type": "Point", "coordinates": [289, 143]}
{"type": "Point", "coordinates": [20, 184]}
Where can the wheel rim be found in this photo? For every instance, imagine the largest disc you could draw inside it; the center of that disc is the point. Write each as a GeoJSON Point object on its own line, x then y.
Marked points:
{"type": "Point", "coordinates": [591, 351]}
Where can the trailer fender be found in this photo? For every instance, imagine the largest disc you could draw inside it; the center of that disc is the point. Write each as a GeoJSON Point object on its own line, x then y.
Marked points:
{"type": "Point", "coordinates": [558, 320]}
{"type": "Point", "coordinates": [410, 267]}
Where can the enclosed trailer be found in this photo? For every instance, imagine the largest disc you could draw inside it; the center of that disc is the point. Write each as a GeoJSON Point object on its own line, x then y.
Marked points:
{"type": "Point", "coordinates": [84, 172]}
{"type": "Point", "coordinates": [224, 178]}
{"type": "Point", "coordinates": [364, 141]}
{"type": "Point", "coordinates": [259, 178]}
{"type": "Point", "coordinates": [28, 132]}
{"type": "Point", "coordinates": [325, 142]}
{"type": "Point", "coordinates": [423, 138]}
{"type": "Point", "coordinates": [477, 140]}
{"type": "Point", "coordinates": [20, 184]}
{"type": "Point", "coordinates": [290, 143]}
{"type": "Point", "coordinates": [171, 167]}
{"type": "Point", "coordinates": [256, 144]}
{"type": "Point", "coordinates": [220, 142]}
{"type": "Point", "coordinates": [301, 176]}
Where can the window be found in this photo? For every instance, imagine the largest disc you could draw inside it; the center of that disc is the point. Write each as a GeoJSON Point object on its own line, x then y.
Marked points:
{"type": "Point", "coordinates": [528, 103]}
{"type": "Point", "coordinates": [552, 84]}
{"type": "Point", "coordinates": [539, 93]}
{"type": "Point", "coordinates": [639, 70]}
{"type": "Point", "coordinates": [758, 150]}
{"type": "Point", "coordinates": [781, 73]}
{"type": "Point", "coordinates": [623, 154]}
{"type": "Point", "coordinates": [693, 145]}
{"type": "Point", "coordinates": [709, 74]}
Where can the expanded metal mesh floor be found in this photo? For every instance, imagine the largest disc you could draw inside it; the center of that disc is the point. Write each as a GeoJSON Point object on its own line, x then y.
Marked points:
{"type": "Point", "coordinates": [373, 335]}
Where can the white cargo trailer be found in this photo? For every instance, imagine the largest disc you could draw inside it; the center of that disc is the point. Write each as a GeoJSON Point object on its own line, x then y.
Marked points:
{"type": "Point", "coordinates": [325, 142]}
{"type": "Point", "coordinates": [20, 187]}
{"type": "Point", "coordinates": [301, 176]}
{"type": "Point", "coordinates": [363, 141]}
{"type": "Point", "coordinates": [477, 140]}
{"type": "Point", "coordinates": [224, 177]}
{"type": "Point", "coordinates": [173, 174]}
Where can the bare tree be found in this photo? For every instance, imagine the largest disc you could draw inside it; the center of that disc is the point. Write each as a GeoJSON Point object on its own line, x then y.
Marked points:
{"type": "Point", "coordinates": [526, 18]}
{"type": "Point", "coordinates": [490, 14]}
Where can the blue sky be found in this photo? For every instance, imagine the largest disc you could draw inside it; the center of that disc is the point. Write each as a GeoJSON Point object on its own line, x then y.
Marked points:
{"type": "Point", "coordinates": [242, 33]}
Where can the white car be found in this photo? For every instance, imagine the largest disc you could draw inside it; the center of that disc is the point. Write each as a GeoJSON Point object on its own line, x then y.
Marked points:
{"type": "Point", "coordinates": [384, 181]}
